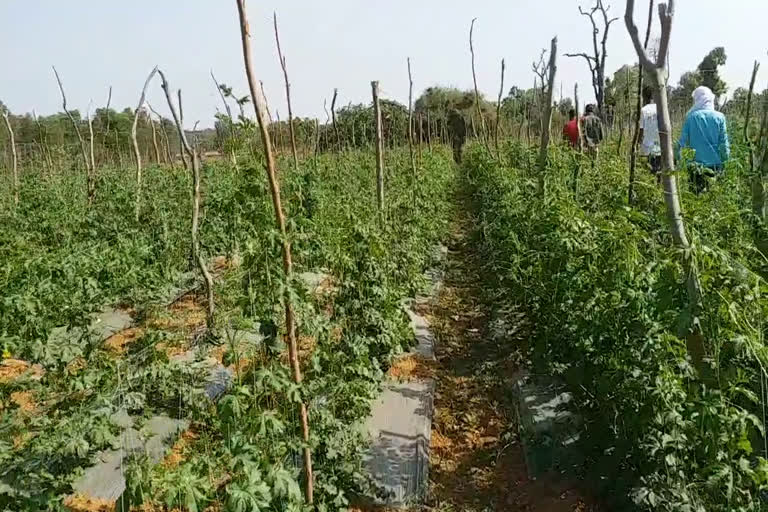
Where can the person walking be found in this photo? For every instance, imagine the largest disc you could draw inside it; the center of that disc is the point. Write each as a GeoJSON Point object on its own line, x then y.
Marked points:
{"type": "Point", "coordinates": [706, 132]}
{"type": "Point", "coordinates": [457, 128]}
{"type": "Point", "coordinates": [592, 132]}
{"type": "Point", "coordinates": [650, 146]}
{"type": "Point", "coordinates": [571, 129]}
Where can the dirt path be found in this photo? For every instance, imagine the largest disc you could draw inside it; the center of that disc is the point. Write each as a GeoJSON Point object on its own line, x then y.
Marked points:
{"type": "Point", "coordinates": [476, 461]}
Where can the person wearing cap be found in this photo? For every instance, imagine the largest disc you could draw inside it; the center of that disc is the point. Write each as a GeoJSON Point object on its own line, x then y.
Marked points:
{"type": "Point", "coordinates": [706, 132]}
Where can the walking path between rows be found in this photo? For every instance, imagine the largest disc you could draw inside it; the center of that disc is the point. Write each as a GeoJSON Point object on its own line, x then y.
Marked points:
{"type": "Point", "coordinates": [477, 462]}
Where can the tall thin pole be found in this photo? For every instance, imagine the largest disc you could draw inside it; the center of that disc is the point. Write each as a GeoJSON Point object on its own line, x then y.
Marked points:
{"type": "Point", "coordinates": [259, 104]}
{"type": "Point", "coordinates": [287, 96]}
{"type": "Point", "coordinates": [379, 146]}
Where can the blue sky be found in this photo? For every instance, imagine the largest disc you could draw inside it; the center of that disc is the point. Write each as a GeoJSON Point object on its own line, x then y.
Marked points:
{"type": "Point", "coordinates": [331, 43]}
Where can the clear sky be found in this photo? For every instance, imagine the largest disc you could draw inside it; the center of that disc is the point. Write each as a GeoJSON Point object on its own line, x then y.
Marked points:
{"type": "Point", "coordinates": [332, 43]}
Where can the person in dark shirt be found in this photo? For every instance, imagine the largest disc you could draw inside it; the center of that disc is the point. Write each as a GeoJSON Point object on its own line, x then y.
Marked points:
{"type": "Point", "coordinates": [592, 132]}
{"type": "Point", "coordinates": [457, 128]}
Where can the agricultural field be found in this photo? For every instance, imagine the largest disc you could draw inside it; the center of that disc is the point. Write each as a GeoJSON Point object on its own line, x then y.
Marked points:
{"type": "Point", "coordinates": [211, 319]}
{"type": "Point", "coordinates": [54, 388]}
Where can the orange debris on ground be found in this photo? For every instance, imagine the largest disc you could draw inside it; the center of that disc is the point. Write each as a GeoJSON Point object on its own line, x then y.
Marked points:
{"type": "Point", "coordinates": [25, 400]}
{"type": "Point", "coordinates": [187, 313]}
{"type": "Point", "coordinates": [412, 367]}
{"type": "Point", "coordinates": [12, 369]}
{"type": "Point", "coordinates": [81, 503]}
{"type": "Point", "coordinates": [118, 341]}
{"type": "Point", "coordinates": [176, 455]}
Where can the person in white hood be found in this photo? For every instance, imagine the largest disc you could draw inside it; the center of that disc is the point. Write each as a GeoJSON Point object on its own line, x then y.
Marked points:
{"type": "Point", "coordinates": [705, 131]}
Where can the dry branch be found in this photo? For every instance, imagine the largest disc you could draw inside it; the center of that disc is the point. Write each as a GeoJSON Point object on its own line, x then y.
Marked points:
{"type": "Point", "coordinates": [657, 71]}
{"type": "Point", "coordinates": [638, 109]}
{"type": "Point", "coordinates": [91, 182]}
{"type": "Point", "coordinates": [546, 123]}
{"type": "Point", "coordinates": [194, 158]}
{"type": "Point", "coordinates": [136, 151]}
{"type": "Point", "coordinates": [483, 135]}
{"type": "Point", "coordinates": [410, 118]}
{"type": "Point", "coordinates": [231, 120]}
{"type": "Point", "coordinates": [498, 111]}
{"type": "Point", "coordinates": [15, 168]}
{"type": "Point", "coordinates": [287, 96]}
{"type": "Point", "coordinates": [333, 118]}
{"type": "Point", "coordinates": [259, 105]}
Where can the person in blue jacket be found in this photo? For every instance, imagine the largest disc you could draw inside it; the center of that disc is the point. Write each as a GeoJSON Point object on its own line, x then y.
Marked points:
{"type": "Point", "coordinates": [705, 131]}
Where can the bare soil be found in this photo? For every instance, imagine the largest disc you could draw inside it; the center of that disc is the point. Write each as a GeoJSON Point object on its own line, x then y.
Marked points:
{"type": "Point", "coordinates": [476, 460]}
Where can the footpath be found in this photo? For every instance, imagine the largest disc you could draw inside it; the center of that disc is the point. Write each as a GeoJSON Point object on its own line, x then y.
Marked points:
{"type": "Point", "coordinates": [477, 458]}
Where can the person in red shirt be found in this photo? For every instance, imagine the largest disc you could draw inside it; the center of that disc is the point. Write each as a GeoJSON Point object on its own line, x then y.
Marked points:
{"type": "Point", "coordinates": [571, 129]}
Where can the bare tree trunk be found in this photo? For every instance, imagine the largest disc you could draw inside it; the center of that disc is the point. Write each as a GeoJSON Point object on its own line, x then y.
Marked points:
{"type": "Point", "coordinates": [91, 186]}
{"type": "Point", "coordinates": [474, 79]}
{"type": "Point", "coordinates": [379, 146]}
{"type": "Point", "coordinates": [287, 96]}
{"type": "Point", "coordinates": [410, 120]}
{"type": "Point", "coordinates": [290, 322]}
{"type": "Point", "coordinates": [638, 109]}
{"type": "Point", "coordinates": [658, 74]}
{"type": "Point", "coordinates": [498, 111]}
{"type": "Point", "coordinates": [15, 163]}
{"type": "Point", "coordinates": [136, 152]}
{"type": "Point", "coordinates": [547, 115]}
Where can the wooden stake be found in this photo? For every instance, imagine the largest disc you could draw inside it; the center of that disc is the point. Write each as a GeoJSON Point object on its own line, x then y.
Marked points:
{"type": "Point", "coordinates": [379, 146]}
{"type": "Point", "coordinates": [498, 111]}
{"type": "Point", "coordinates": [547, 114]}
{"type": "Point", "coordinates": [410, 119]}
{"type": "Point", "coordinates": [429, 132]}
{"type": "Point", "coordinates": [182, 154]}
{"type": "Point", "coordinates": [136, 152]}
{"type": "Point", "coordinates": [91, 184]}
{"type": "Point", "coordinates": [231, 127]}
{"type": "Point", "coordinates": [748, 114]}
{"type": "Point", "coordinates": [287, 96]}
{"type": "Point", "coordinates": [91, 153]}
{"type": "Point", "coordinates": [638, 110]}
{"type": "Point", "coordinates": [193, 156]}
{"type": "Point", "coordinates": [15, 164]}
{"type": "Point", "coordinates": [259, 105]}
{"type": "Point", "coordinates": [474, 80]}
{"type": "Point", "coordinates": [333, 117]}
{"type": "Point", "coordinates": [657, 71]}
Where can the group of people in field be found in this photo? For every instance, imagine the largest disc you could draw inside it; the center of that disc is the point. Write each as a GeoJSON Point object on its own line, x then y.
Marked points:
{"type": "Point", "coordinates": [704, 131]}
